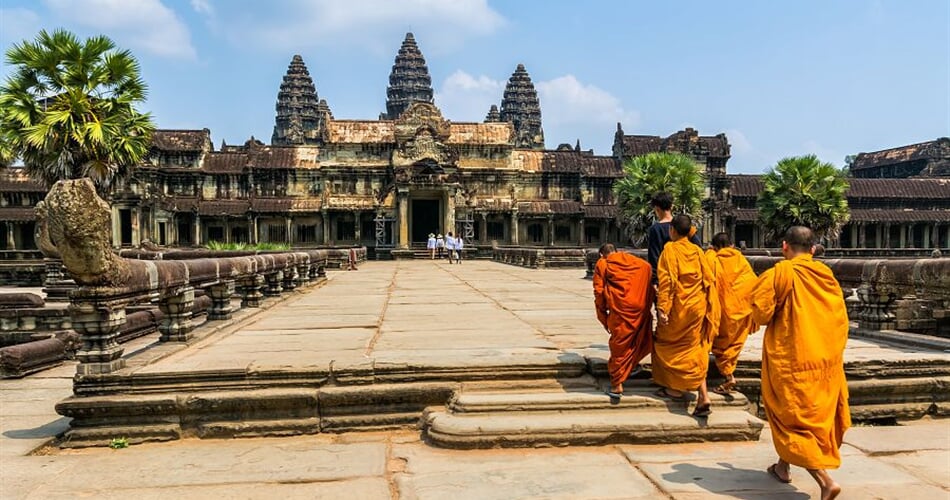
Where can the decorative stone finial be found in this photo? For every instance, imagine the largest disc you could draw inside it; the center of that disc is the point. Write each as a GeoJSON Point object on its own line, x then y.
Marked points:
{"type": "Point", "coordinates": [409, 80]}
{"type": "Point", "coordinates": [521, 107]}
{"type": "Point", "coordinates": [299, 120]}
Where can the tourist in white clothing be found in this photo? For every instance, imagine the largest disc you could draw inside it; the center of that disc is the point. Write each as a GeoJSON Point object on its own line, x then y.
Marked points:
{"type": "Point", "coordinates": [449, 245]}
{"type": "Point", "coordinates": [439, 245]}
{"type": "Point", "coordinates": [459, 245]}
{"type": "Point", "coordinates": [430, 245]}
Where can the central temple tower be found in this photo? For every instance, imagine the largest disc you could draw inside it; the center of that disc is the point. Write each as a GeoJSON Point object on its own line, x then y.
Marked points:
{"type": "Point", "coordinates": [409, 80]}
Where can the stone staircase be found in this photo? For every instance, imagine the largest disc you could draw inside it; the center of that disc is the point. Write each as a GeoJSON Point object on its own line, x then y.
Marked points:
{"type": "Point", "coordinates": [494, 418]}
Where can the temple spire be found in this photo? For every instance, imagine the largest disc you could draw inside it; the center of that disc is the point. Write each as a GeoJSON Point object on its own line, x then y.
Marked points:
{"type": "Point", "coordinates": [493, 115]}
{"type": "Point", "coordinates": [521, 107]}
{"type": "Point", "coordinates": [409, 80]}
{"type": "Point", "coordinates": [299, 114]}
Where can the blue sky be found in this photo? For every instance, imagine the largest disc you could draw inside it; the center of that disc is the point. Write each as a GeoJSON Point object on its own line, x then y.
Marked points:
{"type": "Point", "coordinates": [779, 78]}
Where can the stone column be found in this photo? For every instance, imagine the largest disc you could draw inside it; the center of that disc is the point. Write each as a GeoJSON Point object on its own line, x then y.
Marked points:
{"type": "Point", "coordinates": [356, 226]}
{"type": "Point", "coordinates": [514, 226]}
{"type": "Point", "coordinates": [227, 229]}
{"type": "Point", "coordinates": [605, 227]}
{"type": "Point", "coordinates": [402, 200]}
{"type": "Point", "coordinates": [11, 236]}
{"type": "Point", "coordinates": [551, 230]}
{"type": "Point", "coordinates": [854, 235]}
{"type": "Point", "coordinates": [926, 237]}
{"type": "Point", "coordinates": [197, 230]}
{"type": "Point", "coordinates": [862, 235]}
{"type": "Point", "coordinates": [303, 274]}
{"type": "Point", "coordinates": [221, 301]}
{"type": "Point", "coordinates": [325, 222]}
{"type": "Point", "coordinates": [450, 213]}
{"type": "Point", "coordinates": [903, 239]}
{"type": "Point", "coordinates": [887, 236]}
{"type": "Point", "coordinates": [288, 227]}
{"type": "Point", "coordinates": [177, 324]}
{"type": "Point", "coordinates": [580, 233]}
{"type": "Point", "coordinates": [251, 291]}
{"type": "Point", "coordinates": [97, 319]}
{"type": "Point", "coordinates": [483, 229]}
{"type": "Point", "coordinates": [290, 277]}
{"type": "Point", "coordinates": [135, 215]}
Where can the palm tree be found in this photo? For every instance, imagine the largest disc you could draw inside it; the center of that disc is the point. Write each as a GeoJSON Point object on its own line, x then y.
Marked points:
{"type": "Point", "coordinates": [649, 174]}
{"type": "Point", "coordinates": [804, 191]}
{"type": "Point", "coordinates": [67, 109]}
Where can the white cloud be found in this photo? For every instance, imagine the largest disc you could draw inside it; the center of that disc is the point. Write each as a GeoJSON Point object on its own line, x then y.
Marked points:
{"type": "Point", "coordinates": [143, 24]}
{"type": "Point", "coordinates": [371, 24]}
{"type": "Point", "coordinates": [739, 142]}
{"type": "Point", "coordinates": [202, 7]}
{"type": "Point", "coordinates": [463, 97]}
{"type": "Point", "coordinates": [567, 101]}
{"type": "Point", "coordinates": [18, 24]}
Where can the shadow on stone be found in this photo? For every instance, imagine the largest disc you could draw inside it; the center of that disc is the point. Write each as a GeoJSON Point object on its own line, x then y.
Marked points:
{"type": "Point", "coordinates": [50, 429]}
{"type": "Point", "coordinates": [746, 484]}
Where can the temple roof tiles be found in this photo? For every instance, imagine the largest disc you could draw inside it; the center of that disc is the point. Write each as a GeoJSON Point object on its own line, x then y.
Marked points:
{"type": "Point", "coordinates": [223, 207]}
{"type": "Point", "coordinates": [548, 207]}
{"type": "Point", "coordinates": [17, 214]}
{"type": "Point", "coordinates": [15, 180]}
{"type": "Point", "coordinates": [225, 163]}
{"type": "Point", "coordinates": [579, 162]}
{"type": "Point", "coordinates": [751, 185]}
{"type": "Point", "coordinates": [182, 140]}
{"type": "Point", "coordinates": [601, 211]}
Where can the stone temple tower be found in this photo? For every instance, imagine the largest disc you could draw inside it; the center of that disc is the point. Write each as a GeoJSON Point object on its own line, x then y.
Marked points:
{"type": "Point", "coordinates": [300, 115]}
{"type": "Point", "coordinates": [409, 81]}
{"type": "Point", "coordinates": [521, 107]}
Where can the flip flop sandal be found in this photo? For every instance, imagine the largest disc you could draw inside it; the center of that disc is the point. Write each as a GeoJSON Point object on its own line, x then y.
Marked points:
{"type": "Point", "coordinates": [702, 411]}
{"type": "Point", "coordinates": [725, 388]}
{"type": "Point", "coordinates": [773, 473]}
{"type": "Point", "coordinates": [613, 395]}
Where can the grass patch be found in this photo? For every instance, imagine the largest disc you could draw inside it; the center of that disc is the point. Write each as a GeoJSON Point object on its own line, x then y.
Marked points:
{"type": "Point", "coordinates": [221, 246]}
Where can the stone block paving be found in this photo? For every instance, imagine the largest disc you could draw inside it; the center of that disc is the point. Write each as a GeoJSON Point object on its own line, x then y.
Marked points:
{"type": "Point", "coordinates": [405, 311]}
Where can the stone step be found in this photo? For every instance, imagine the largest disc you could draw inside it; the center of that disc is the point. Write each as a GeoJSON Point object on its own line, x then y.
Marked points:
{"type": "Point", "coordinates": [577, 399]}
{"type": "Point", "coordinates": [588, 427]}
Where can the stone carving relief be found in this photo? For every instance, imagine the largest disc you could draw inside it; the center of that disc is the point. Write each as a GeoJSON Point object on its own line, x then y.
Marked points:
{"type": "Point", "coordinates": [420, 134]}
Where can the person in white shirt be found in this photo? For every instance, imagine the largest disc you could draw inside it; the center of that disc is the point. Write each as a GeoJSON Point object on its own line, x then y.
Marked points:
{"type": "Point", "coordinates": [439, 245]}
{"type": "Point", "coordinates": [430, 245]}
{"type": "Point", "coordinates": [450, 245]}
{"type": "Point", "coordinates": [459, 245]}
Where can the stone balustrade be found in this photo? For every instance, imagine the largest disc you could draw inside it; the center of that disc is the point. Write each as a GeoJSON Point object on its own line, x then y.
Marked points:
{"type": "Point", "coordinates": [539, 257]}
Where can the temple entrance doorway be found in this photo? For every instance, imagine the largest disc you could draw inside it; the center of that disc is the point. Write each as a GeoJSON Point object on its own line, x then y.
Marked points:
{"type": "Point", "coordinates": [424, 219]}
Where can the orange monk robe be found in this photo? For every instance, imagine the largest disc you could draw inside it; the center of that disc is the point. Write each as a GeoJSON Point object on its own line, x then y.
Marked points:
{"type": "Point", "coordinates": [734, 282]}
{"type": "Point", "coordinates": [623, 294]}
{"type": "Point", "coordinates": [803, 383]}
{"type": "Point", "coordinates": [687, 295]}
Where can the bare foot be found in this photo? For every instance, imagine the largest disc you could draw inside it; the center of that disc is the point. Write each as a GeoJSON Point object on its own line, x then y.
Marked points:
{"type": "Point", "coordinates": [831, 492]}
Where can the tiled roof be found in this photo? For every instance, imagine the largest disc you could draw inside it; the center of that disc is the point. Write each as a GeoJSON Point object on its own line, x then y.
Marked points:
{"type": "Point", "coordinates": [17, 214]}
{"type": "Point", "coordinates": [271, 204]}
{"type": "Point", "coordinates": [180, 203]}
{"type": "Point", "coordinates": [16, 180]}
{"type": "Point", "coordinates": [601, 211]}
{"type": "Point", "coordinates": [283, 157]}
{"type": "Point", "coordinates": [493, 205]}
{"type": "Point", "coordinates": [746, 214]}
{"type": "Point", "coordinates": [223, 207]}
{"type": "Point", "coordinates": [225, 163]}
{"type": "Point", "coordinates": [360, 131]}
{"type": "Point", "coordinates": [549, 207]}
{"type": "Point", "coordinates": [181, 140]}
{"type": "Point", "coordinates": [939, 148]}
{"type": "Point", "coordinates": [866, 215]}
{"type": "Point", "coordinates": [497, 133]}
{"type": "Point", "coordinates": [752, 185]}
{"type": "Point", "coordinates": [586, 164]}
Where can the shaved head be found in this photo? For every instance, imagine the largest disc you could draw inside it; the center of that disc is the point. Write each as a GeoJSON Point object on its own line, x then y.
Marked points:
{"type": "Point", "coordinates": [682, 224]}
{"type": "Point", "coordinates": [607, 249]}
{"type": "Point", "coordinates": [800, 239]}
{"type": "Point", "coordinates": [720, 241]}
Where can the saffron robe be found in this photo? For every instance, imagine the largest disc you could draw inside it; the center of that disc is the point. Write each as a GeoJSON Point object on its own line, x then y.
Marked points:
{"type": "Point", "coordinates": [687, 294]}
{"type": "Point", "coordinates": [803, 382]}
{"type": "Point", "coordinates": [734, 282]}
{"type": "Point", "coordinates": [623, 294]}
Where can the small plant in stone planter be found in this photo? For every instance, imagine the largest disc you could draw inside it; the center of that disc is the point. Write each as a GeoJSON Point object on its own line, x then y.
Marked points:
{"type": "Point", "coordinates": [119, 443]}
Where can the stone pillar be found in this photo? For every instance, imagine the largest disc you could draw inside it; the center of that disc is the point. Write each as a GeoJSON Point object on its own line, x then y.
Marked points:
{"type": "Point", "coordinates": [177, 324]}
{"type": "Point", "coordinates": [227, 229]}
{"type": "Point", "coordinates": [273, 284]}
{"type": "Point", "coordinates": [136, 216]}
{"type": "Point", "coordinates": [926, 237]}
{"type": "Point", "coordinates": [254, 236]}
{"type": "Point", "coordinates": [98, 320]}
{"type": "Point", "coordinates": [288, 227]}
{"type": "Point", "coordinates": [514, 226]}
{"type": "Point", "coordinates": [450, 213]}
{"type": "Point", "coordinates": [903, 233]}
{"type": "Point", "coordinates": [403, 205]}
{"type": "Point", "coordinates": [605, 227]}
{"type": "Point", "coordinates": [862, 235]}
{"type": "Point", "coordinates": [580, 233]}
{"type": "Point", "coordinates": [197, 230]}
{"type": "Point", "coordinates": [221, 301]}
{"type": "Point", "coordinates": [290, 277]}
{"type": "Point", "coordinates": [325, 222]}
{"type": "Point", "coordinates": [303, 274]}
{"type": "Point", "coordinates": [887, 236]}
{"type": "Point", "coordinates": [550, 230]}
{"type": "Point", "coordinates": [11, 236]}
{"type": "Point", "coordinates": [483, 229]}
{"type": "Point", "coordinates": [854, 234]}
{"type": "Point", "coordinates": [356, 226]}
{"type": "Point", "coordinates": [251, 291]}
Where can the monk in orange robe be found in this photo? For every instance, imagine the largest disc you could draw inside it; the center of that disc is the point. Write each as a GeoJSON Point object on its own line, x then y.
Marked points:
{"type": "Point", "coordinates": [734, 282]}
{"type": "Point", "coordinates": [803, 383]}
{"type": "Point", "coordinates": [623, 294]}
{"type": "Point", "coordinates": [687, 309]}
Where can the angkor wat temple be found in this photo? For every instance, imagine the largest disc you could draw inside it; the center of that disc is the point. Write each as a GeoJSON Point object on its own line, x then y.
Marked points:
{"type": "Point", "coordinates": [388, 183]}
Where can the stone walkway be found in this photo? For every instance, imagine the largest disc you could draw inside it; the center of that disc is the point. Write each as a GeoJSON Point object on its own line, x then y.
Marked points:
{"type": "Point", "coordinates": [407, 311]}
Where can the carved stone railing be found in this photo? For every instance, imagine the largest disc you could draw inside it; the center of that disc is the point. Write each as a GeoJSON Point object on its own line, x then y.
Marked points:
{"type": "Point", "coordinates": [78, 223]}
{"type": "Point", "coordinates": [539, 257]}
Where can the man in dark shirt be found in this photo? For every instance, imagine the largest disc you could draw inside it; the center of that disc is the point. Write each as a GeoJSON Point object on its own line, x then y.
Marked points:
{"type": "Point", "coordinates": [659, 233]}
